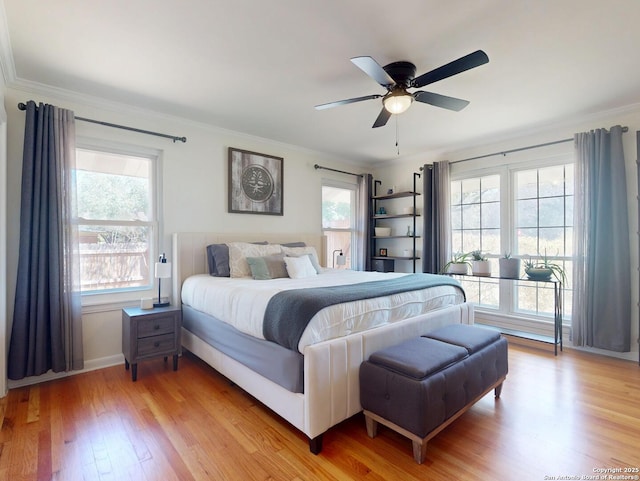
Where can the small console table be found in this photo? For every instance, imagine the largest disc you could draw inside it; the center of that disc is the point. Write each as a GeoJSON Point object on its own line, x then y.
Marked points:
{"type": "Point", "coordinates": [557, 300]}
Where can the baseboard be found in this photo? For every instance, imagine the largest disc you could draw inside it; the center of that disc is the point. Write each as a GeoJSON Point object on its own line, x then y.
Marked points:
{"type": "Point", "coordinates": [90, 365]}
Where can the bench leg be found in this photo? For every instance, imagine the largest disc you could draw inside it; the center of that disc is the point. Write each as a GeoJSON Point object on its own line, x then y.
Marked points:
{"type": "Point", "coordinates": [372, 426]}
{"type": "Point", "coordinates": [419, 450]}
{"type": "Point", "coordinates": [498, 390]}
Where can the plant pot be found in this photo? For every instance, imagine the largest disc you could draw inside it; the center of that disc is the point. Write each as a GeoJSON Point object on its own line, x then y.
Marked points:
{"type": "Point", "coordinates": [458, 268]}
{"type": "Point", "coordinates": [510, 268]}
{"type": "Point", "coordinates": [481, 268]}
{"type": "Point", "coordinates": [539, 273]}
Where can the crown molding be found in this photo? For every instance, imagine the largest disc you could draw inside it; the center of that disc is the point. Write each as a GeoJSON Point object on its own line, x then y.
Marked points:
{"type": "Point", "coordinates": [547, 129]}
{"type": "Point", "coordinates": [35, 89]}
{"type": "Point", "coordinates": [550, 130]}
{"type": "Point", "coordinates": [7, 67]}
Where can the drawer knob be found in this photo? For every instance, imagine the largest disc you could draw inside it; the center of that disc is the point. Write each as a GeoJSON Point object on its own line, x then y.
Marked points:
{"type": "Point", "coordinates": [156, 344]}
{"type": "Point", "coordinates": [156, 327]}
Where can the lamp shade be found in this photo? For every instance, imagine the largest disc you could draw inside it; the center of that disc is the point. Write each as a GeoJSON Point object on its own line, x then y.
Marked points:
{"type": "Point", "coordinates": [341, 261]}
{"type": "Point", "coordinates": [163, 270]}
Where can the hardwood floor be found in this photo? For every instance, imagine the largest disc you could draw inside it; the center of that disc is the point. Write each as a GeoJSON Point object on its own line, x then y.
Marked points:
{"type": "Point", "coordinates": [557, 417]}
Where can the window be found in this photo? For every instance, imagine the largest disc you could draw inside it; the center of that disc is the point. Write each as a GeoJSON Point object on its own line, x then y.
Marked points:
{"type": "Point", "coordinates": [475, 225]}
{"type": "Point", "coordinates": [543, 204]}
{"type": "Point", "coordinates": [527, 212]}
{"type": "Point", "coordinates": [339, 220]}
{"type": "Point", "coordinates": [117, 219]}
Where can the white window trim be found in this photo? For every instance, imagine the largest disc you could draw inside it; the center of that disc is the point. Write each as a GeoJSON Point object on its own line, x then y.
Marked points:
{"type": "Point", "coordinates": [99, 301]}
{"type": "Point", "coordinates": [353, 187]}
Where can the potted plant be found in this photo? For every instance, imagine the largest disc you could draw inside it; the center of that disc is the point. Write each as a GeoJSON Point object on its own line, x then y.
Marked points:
{"type": "Point", "coordinates": [480, 265]}
{"type": "Point", "coordinates": [542, 270]}
{"type": "Point", "coordinates": [459, 264]}
{"type": "Point", "coordinates": [509, 266]}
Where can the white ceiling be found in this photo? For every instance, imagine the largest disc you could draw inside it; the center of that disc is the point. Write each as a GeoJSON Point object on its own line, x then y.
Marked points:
{"type": "Point", "coordinates": [259, 66]}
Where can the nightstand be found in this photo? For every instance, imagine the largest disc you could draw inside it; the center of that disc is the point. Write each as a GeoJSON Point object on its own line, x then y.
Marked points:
{"type": "Point", "coordinates": [150, 333]}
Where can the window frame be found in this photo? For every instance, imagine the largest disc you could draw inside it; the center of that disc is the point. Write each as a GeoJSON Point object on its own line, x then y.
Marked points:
{"type": "Point", "coordinates": [505, 314]}
{"type": "Point", "coordinates": [353, 188]}
{"type": "Point", "coordinates": [126, 294]}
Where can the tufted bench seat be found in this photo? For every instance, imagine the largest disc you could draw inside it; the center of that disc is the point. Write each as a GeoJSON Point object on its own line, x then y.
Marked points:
{"type": "Point", "coordinates": [420, 386]}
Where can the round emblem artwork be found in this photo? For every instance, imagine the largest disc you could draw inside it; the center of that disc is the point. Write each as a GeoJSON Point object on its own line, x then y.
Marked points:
{"type": "Point", "coordinates": [257, 183]}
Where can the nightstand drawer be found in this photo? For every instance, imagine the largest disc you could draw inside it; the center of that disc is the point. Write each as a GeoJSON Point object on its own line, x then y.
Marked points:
{"type": "Point", "coordinates": [155, 327]}
{"type": "Point", "coordinates": [152, 346]}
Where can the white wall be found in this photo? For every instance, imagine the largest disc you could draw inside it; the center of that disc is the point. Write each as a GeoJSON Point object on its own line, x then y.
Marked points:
{"type": "Point", "coordinates": [3, 238]}
{"type": "Point", "coordinates": [194, 190]}
{"type": "Point", "coordinates": [399, 172]}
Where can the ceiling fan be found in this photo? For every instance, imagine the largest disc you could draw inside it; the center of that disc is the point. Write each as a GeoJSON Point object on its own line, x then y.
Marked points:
{"type": "Point", "coordinates": [397, 77]}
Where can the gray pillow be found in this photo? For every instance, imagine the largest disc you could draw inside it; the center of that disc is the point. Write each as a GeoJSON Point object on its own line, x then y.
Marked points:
{"type": "Point", "coordinates": [294, 244]}
{"type": "Point", "coordinates": [218, 259]}
{"type": "Point", "coordinates": [267, 267]}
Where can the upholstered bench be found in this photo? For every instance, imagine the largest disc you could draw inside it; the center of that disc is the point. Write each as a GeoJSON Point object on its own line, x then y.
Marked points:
{"type": "Point", "coordinates": [420, 386]}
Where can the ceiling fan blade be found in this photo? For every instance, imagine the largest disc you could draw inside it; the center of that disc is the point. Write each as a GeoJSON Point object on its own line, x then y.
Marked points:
{"type": "Point", "coordinates": [438, 100]}
{"type": "Point", "coordinates": [467, 62]}
{"type": "Point", "coordinates": [373, 69]}
{"type": "Point", "coordinates": [347, 101]}
{"type": "Point", "coordinates": [383, 118]}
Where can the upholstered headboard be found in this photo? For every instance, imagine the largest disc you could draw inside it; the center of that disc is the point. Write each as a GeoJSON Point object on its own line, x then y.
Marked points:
{"type": "Point", "coordinates": [189, 251]}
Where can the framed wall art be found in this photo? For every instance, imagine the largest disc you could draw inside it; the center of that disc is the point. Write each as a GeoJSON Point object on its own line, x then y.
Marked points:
{"type": "Point", "coordinates": [255, 183]}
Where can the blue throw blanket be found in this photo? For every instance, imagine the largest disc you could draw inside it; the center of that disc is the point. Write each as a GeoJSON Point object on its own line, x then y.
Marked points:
{"type": "Point", "coordinates": [289, 312]}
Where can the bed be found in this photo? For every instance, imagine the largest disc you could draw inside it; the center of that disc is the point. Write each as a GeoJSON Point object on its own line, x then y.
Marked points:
{"type": "Point", "coordinates": [326, 390]}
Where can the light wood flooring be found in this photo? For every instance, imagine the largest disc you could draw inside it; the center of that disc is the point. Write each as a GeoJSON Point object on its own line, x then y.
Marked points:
{"type": "Point", "coordinates": [557, 417]}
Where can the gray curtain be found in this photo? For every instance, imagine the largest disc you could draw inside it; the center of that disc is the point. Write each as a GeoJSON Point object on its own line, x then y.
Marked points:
{"type": "Point", "coordinates": [436, 235]}
{"type": "Point", "coordinates": [46, 329]}
{"type": "Point", "coordinates": [601, 314]}
{"type": "Point", "coordinates": [364, 224]}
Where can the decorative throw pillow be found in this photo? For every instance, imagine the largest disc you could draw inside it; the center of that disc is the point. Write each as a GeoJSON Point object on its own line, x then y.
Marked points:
{"type": "Point", "coordinates": [294, 244]}
{"type": "Point", "coordinates": [302, 251]}
{"type": "Point", "coordinates": [268, 267]}
{"type": "Point", "coordinates": [239, 251]}
{"type": "Point", "coordinates": [299, 267]}
{"type": "Point", "coordinates": [218, 259]}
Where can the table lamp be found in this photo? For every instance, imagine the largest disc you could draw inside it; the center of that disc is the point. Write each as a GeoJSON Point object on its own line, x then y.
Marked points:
{"type": "Point", "coordinates": [342, 260]}
{"type": "Point", "coordinates": [163, 271]}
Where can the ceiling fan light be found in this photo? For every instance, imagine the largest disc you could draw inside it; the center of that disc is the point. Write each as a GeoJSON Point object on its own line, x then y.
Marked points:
{"type": "Point", "coordinates": [397, 102]}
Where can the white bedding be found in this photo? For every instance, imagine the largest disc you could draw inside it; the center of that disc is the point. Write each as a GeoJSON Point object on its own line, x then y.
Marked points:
{"type": "Point", "coordinates": [242, 302]}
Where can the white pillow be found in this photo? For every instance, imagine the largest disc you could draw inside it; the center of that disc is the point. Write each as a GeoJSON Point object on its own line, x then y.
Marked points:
{"type": "Point", "coordinates": [304, 251]}
{"type": "Point", "coordinates": [299, 267]}
{"type": "Point", "coordinates": [239, 251]}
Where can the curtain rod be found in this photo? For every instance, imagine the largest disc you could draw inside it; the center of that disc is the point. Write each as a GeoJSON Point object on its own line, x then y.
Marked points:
{"type": "Point", "coordinates": [316, 166]}
{"type": "Point", "coordinates": [505, 152]}
{"type": "Point", "coordinates": [23, 106]}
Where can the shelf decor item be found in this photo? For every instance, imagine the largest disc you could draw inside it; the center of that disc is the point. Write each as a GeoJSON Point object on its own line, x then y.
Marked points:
{"type": "Point", "coordinates": [509, 266]}
{"type": "Point", "coordinates": [459, 264]}
{"type": "Point", "coordinates": [542, 270]}
{"type": "Point", "coordinates": [480, 265]}
{"type": "Point", "coordinates": [383, 231]}
{"type": "Point", "coordinates": [382, 252]}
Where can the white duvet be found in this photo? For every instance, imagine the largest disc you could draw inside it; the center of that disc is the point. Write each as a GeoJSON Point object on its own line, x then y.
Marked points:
{"type": "Point", "coordinates": [242, 302]}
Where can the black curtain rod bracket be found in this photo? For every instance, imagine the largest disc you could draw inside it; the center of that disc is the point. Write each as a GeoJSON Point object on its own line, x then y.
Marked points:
{"type": "Point", "coordinates": [23, 106]}
{"type": "Point", "coordinates": [316, 166]}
